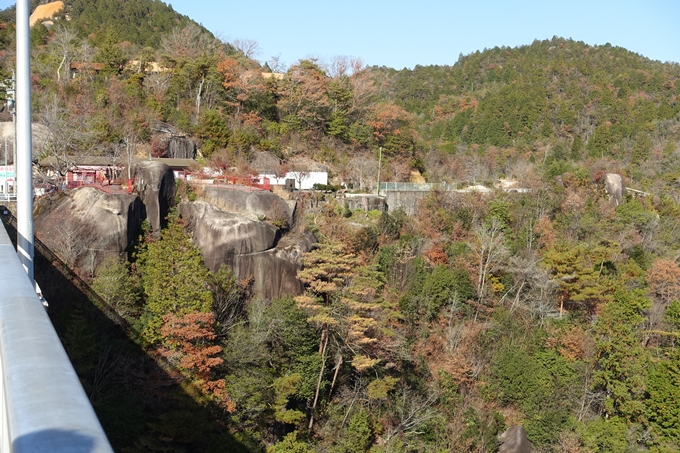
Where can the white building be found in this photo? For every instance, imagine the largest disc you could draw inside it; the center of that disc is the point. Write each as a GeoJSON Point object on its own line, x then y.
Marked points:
{"type": "Point", "coordinates": [304, 180]}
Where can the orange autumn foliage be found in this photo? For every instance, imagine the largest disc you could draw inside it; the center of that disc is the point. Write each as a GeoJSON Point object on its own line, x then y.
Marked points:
{"type": "Point", "coordinates": [546, 232]}
{"type": "Point", "coordinates": [388, 120]}
{"type": "Point", "coordinates": [454, 352]}
{"type": "Point", "coordinates": [664, 280]}
{"type": "Point", "coordinates": [437, 255]}
{"type": "Point", "coordinates": [189, 338]}
{"type": "Point", "coordinates": [571, 343]}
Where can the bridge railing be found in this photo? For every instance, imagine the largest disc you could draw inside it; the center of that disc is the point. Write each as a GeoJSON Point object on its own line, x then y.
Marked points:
{"type": "Point", "coordinates": [43, 405]}
{"type": "Point", "coordinates": [409, 186]}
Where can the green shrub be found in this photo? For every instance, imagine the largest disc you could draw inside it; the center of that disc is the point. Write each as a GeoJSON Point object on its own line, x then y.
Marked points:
{"type": "Point", "coordinates": [443, 284]}
{"type": "Point", "coordinates": [605, 436]}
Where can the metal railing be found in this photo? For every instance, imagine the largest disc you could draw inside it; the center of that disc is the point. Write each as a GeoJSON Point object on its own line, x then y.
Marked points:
{"type": "Point", "coordinates": [117, 187]}
{"type": "Point", "coordinates": [412, 186]}
{"type": "Point", "coordinates": [43, 407]}
{"type": "Point", "coordinates": [251, 182]}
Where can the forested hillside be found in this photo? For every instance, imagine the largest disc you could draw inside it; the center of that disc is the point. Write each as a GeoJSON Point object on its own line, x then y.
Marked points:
{"type": "Point", "coordinates": [554, 308]}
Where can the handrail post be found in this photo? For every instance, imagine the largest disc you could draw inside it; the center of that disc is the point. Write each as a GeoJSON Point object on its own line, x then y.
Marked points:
{"type": "Point", "coordinates": [24, 171]}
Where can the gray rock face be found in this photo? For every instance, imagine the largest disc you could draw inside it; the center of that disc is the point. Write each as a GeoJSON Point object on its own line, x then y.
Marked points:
{"type": "Point", "coordinates": [89, 225]}
{"type": "Point", "coordinates": [224, 236]}
{"type": "Point", "coordinates": [181, 148]}
{"type": "Point", "coordinates": [256, 205]}
{"type": "Point", "coordinates": [274, 271]}
{"type": "Point", "coordinates": [40, 135]}
{"type": "Point", "coordinates": [515, 440]}
{"type": "Point", "coordinates": [249, 248]}
{"type": "Point", "coordinates": [86, 225]}
{"type": "Point", "coordinates": [615, 187]}
{"type": "Point", "coordinates": [155, 184]}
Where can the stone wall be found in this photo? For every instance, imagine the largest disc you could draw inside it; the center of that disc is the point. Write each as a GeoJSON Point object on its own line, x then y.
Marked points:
{"type": "Point", "coordinates": [407, 200]}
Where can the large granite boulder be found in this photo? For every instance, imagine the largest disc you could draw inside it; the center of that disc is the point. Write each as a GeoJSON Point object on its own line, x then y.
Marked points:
{"type": "Point", "coordinates": [514, 440]}
{"type": "Point", "coordinates": [274, 271]}
{"type": "Point", "coordinates": [249, 248]}
{"type": "Point", "coordinates": [225, 236]}
{"type": "Point", "coordinates": [87, 225]}
{"type": "Point", "coordinates": [40, 136]}
{"type": "Point", "coordinates": [615, 187]}
{"type": "Point", "coordinates": [181, 148]}
{"type": "Point", "coordinates": [255, 204]}
{"type": "Point", "coordinates": [155, 184]}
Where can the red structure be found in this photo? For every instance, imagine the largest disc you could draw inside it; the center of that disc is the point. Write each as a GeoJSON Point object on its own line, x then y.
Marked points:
{"type": "Point", "coordinates": [252, 182]}
{"type": "Point", "coordinates": [116, 187]}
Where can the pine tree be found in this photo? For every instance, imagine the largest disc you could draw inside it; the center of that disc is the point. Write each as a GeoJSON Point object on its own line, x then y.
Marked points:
{"type": "Point", "coordinates": [342, 301]}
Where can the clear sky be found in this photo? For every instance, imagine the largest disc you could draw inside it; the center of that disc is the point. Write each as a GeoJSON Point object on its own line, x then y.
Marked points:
{"type": "Point", "coordinates": [403, 33]}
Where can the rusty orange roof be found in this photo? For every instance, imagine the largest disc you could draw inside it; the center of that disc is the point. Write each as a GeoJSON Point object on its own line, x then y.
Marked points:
{"type": "Point", "coordinates": [87, 66]}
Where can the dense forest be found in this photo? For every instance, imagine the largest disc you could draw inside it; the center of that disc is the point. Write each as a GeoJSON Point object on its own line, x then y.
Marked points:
{"type": "Point", "coordinates": [554, 308]}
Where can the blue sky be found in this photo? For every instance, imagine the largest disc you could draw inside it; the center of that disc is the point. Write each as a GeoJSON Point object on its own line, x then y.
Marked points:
{"type": "Point", "coordinates": [402, 33]}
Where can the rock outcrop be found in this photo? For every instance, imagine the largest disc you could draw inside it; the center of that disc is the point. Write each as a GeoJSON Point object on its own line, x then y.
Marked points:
{"type": "Point", "coordinates": [515, 440]}
{"type": "Point", "coordinates": [155, 184]}
{"type": "Point", "coordinates": [181, 148]}
{"type": "Point", "coordinates": [224, 237]}
{"type": "Point", "coordinates": [40, 135]}
{"type": "Point", "coordinates": [88, 225]}
{"type": "Point", "coordinates": [615, 187]}
{"type": "Point", "coordinates": [45, 11]}
{"type": "Point", "coordinates": [85, 225]}
{"type": "Point", "coordinates": [249, 248]}
{"type": "Point", "coordinates": [274, 271]}
{"type": "Point", "coordinates": [256, 205]}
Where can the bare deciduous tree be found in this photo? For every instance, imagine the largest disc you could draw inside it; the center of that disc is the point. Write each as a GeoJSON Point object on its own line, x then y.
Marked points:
{"type": "Point", "coordinates": [130, 141]}
{"type": "Point", "coordinates": [362, 171]}
{"type": "Point", "coordinates": [533, 288]}
{"type": "Point", "coordinates": [187, 43]}
{"type": "Point", "coordinates": [249, 48]}
{"type": "Point", "coordinates": [157, 84]}
{"type": "Point", "coordinates": [339, 66]}
{"type": "Point", "coordinates": [69, 132]}
{"type": "Point", "coordinates": [69, 243]}
{"type": "Point", "coordinates": [64, 44]}
{"type": "Point", "coordinates": [491, 250]}
{"type": "Point", "coordinates": [300, 176]}
{"type": "Point", "coordinates": [476, 171]}
{"type": "Point", "coordinates": [189, 50]}
{"type": "Point", "coordinates": [276, 65]}
{"type": "Point", "coordinates": [413, 411]}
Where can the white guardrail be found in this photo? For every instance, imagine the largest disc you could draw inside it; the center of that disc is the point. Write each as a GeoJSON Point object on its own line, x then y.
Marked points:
{"type": "Point", "coordinates": [43, 407]}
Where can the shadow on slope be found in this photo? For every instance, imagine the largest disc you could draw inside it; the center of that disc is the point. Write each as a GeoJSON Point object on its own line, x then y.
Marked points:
{"type": "Point", "coordinates": [140, 404]}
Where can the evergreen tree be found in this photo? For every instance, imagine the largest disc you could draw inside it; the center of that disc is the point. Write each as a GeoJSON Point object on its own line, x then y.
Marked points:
{"type": "Point", "coordinates": [621, 358]}
{"type": "Point", "coordinates": [174, 278]}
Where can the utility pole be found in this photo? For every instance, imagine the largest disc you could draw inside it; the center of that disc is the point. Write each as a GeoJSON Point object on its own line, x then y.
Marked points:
{"type": "Point", "coordinates": [10, 93]}
{"type": "Point", "coordinates": [11, 106]}
{"type": "Point", "coordinates": [377, 190]}
{"type": "Point", "coordinates": [5, 189]}
{"type": "Point", "coordinates": [13, 111]}
{"type": "Point", "coordinates": [24, 161]}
